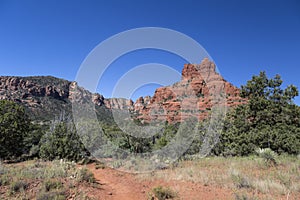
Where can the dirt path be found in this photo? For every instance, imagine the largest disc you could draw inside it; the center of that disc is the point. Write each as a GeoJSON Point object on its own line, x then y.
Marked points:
{"type": "Point", "coordinates": [117, 185]}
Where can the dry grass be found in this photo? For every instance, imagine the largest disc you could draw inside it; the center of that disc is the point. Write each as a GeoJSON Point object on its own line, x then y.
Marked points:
{"type": "Point", "coordinates": [248, 174]}
{"type": "Point", "coordinates": [42, 180]}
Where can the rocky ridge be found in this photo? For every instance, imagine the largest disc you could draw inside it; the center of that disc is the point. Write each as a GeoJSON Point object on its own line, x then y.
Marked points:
{"type": "Point", "coordinates": [199, 89]}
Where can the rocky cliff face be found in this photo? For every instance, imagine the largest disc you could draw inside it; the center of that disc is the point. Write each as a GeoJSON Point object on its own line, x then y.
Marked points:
{"type": "Point", "coordinates": [200, 88]}
{"type": "Point", "coordinates": [43, 97]}
{"type": "Point", "coordinates": [23, 89]}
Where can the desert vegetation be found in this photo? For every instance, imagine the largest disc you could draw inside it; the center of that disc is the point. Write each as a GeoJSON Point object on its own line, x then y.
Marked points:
{"type": "Point", "coordinates": [257, 155]}
{"type": "Point", "coordinates": [45, 180]}
{"type": "Point", "coordinates": [250, 177]}
{"type": "Point", "coordinates": [270, 119]}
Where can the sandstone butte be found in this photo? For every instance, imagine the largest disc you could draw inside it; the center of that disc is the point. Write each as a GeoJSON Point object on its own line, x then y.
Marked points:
{"type": "Point", "coordinates": [199, 90]}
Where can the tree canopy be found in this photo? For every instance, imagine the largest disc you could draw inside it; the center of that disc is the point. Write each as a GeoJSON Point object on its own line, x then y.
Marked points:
{"type": "Point", "coordinates": [14, 127]}
{"type": "Point", "coordinates": [270, 119]}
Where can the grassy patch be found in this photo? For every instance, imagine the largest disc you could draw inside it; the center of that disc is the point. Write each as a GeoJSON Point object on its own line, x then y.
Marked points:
{"type": "Point", "coordinates": [57, 195]}
{"type": "Point", "coordinates": [269, 156]}
{"type": "Point", "coordinates": [240, 181]}
{"type": "Point", "coordinates": [52, 184]}
{"type": "Point", "coordinates": [244, 196]}
{"type": "Point", "coordinates": [43, 180]}
{"type": "Point", "coordinates": [253, 174]}
{"type": "Point", "coordinates": [17, 186]}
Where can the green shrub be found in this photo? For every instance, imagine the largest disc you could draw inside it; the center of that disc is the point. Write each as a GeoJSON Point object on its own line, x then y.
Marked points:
{"type": "Point", "coordinates": [14, 126]}
{"type": "Point", "coordinates": [62, 142]}
{"type": "Point", "coordinates": [268, 156]}
{"type": "Point", "coordinates": [51, 185]}
{"type": "Point", "coordinates": [268, 119]}
{"type": "Point", "coordinates": [84, 175]}
{"type": "Point", "coordinates": [162, 193]}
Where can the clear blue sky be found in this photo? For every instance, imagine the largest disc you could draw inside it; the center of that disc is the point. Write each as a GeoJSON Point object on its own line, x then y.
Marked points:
{"type": "Point", "coordinates": [243, 37]}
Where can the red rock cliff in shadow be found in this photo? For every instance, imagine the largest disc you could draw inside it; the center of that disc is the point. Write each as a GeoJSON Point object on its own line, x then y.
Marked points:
{"type": "Point", "coordinates": [200, 88]}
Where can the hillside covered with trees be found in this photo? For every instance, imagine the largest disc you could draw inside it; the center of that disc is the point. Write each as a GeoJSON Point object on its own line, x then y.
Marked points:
{"type": "Point", "coordinates": [269, 119]}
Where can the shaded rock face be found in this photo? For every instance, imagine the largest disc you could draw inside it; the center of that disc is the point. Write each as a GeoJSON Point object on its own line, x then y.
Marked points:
{"type": "Point", "coordinates": [199, 89]}
{"type": "Point", "coordinates": [81, 96]}
{"type": "Point", "coordinates": [42, 96]}
{"type": "Point", "coordinates": [25, 89]}
{"type": "Point", "coordinates": [118, 103]}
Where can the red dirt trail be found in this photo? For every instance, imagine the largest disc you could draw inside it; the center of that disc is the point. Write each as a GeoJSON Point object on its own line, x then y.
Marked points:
{"type": "Point", "coordinates": [118, 185]}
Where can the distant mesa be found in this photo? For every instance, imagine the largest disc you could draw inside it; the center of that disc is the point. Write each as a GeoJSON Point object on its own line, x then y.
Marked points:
{"type": "Point", "coordinates": [199, 89]}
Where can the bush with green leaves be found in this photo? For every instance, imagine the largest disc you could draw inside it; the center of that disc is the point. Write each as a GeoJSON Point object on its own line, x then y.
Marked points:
{"type": "Point", "coordinates": [32, 140]}
{"type": "Point", "coordinates": [14, 127]}
{"type": "Point", "coordinates": [84, 175]}
{"type": "Point", "coordinates": [270, 119]}
{"type": "Point", "coordinates": [62, 142]}
{"type": "Point", "coordinates": [162, 193]}
{"type": "Point", "coordinates": [269, 156]}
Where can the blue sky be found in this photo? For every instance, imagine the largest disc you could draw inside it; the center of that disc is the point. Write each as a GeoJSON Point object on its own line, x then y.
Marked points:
{"type": "Point", "coordinates": [242, 37]}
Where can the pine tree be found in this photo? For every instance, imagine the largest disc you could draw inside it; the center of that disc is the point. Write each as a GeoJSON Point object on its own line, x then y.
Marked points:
{"type": "Point", "coordinates": [14, 127]}
{"type": "Point", "coordinates": [269, 120]}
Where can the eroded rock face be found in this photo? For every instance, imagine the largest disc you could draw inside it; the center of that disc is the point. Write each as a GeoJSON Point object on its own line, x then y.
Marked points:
{"type": "Point", "coordinates": [43, 96]}
{"type": "Point", "coordinates": [199, 89]}
{"type": "Point", "coordinates": [24, 89]}
{"type": "Point", "coordinates": [119, 103]}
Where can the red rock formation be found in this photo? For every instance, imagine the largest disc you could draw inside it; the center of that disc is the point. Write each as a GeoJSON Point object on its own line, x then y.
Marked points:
{"type": "Point", "coordinates": [200, 88]}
